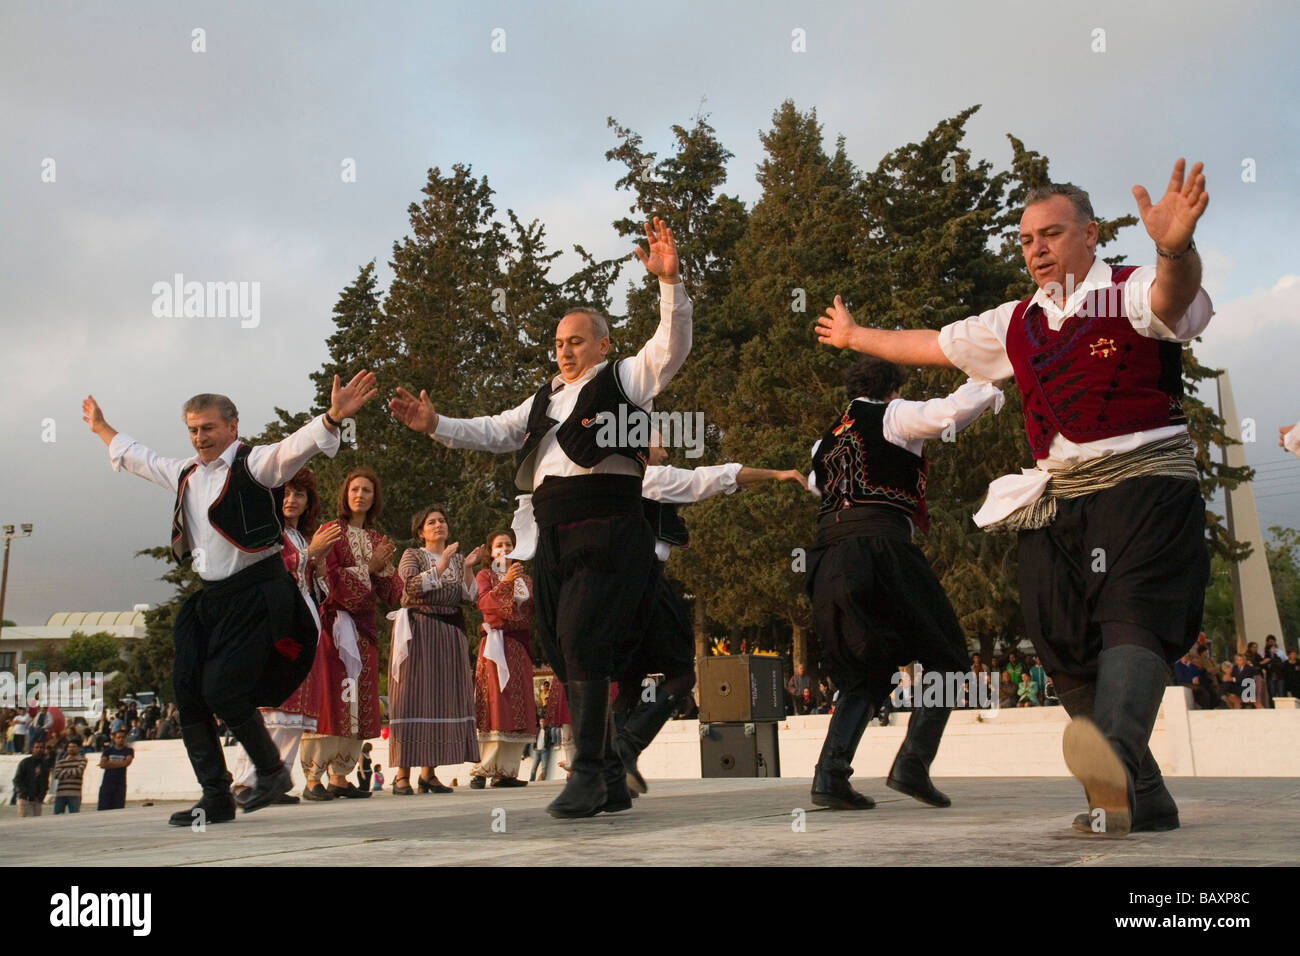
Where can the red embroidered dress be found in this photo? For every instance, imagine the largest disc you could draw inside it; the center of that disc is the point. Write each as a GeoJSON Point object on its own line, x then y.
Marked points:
{"type": "Point", "coordinates": [352, 588]}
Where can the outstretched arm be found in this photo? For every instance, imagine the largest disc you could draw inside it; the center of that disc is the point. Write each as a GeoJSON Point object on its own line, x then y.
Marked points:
{"type": "Point", "coordinates": [1170, 223]}
{"type": "Point", "coordinates": [647, 373]}
{"type": "Point", "coordinates": [837, 328]}
{"type": "Point", "coordinates": [907, 421]}
{"type": "Point", "coordinates": [125, 452]}
{"type": "Point", "coordinates": [495, 433]}
{"type": "Point", "coordinates": [272, 465]}
{"type": "Point", "coordinates": [748, 476]}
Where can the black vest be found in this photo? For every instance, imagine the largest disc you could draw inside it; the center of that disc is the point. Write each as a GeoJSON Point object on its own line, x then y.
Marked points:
{"type": "Point", "coordinates": [246, 513]}
{"type": "Point", "coordinates": [855, 465]}
{"type": "Point", "coordinates": [667, 524]}
{"type": "Point", "coordinates": [596, 413]}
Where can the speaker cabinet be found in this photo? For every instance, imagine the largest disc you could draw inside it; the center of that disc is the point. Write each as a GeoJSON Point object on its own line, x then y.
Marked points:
{"type": "Point", "coordinates": [741, 688]}
{"type": "Point", "coordinates": [739, 750]}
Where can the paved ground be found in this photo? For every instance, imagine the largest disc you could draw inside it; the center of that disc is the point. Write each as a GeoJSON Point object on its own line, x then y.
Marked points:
{"type": "Point", "coordinates": [994, 821]}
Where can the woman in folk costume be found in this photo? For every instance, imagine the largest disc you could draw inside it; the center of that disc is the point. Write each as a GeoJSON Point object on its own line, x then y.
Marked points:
{"type": "Point", "coordinates": [430, 691]}
{"type": "Point", "coordinates": [358, 571]}
{"type": "Point", "coordinates": [300, 512]}
{"type": "Point", "coordinates": [503, 679]}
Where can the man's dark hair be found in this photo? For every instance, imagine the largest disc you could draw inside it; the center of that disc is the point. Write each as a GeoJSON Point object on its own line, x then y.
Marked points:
{"type": "Point", "coordinates": [205, 400]}
{"type": "Point", "coordinates": [1078, 199]}
{"type": "Point", "coordinates": [873, 378]}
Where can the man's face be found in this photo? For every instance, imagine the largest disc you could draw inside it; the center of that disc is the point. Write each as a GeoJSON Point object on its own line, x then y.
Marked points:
{"type": "Point", "coordinates": [74, 748]}
{"type": "Point", "coordinates": [576, 346]}
{"type": "Point", "coordinates": [38, 750]}
{"type": "Point", "coordinates": [209, 434]}
{"type": "Point", "coordinates": [119, 739]}
{"type": "Point", "coordinates": [1055, 243]}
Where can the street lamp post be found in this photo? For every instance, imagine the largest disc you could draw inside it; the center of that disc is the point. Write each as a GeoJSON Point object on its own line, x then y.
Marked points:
{"type": "Point", "coordinates": [9, 535]}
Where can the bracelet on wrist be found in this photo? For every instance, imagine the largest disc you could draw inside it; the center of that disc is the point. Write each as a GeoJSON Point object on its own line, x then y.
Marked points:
{"type": "Point", "coordinates": [1190, 250]}
{"type": "Point", "coordinates": [329, 419]}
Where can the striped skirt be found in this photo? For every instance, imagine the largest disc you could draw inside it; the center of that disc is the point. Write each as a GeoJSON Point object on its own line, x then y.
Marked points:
{"type": "Point", "coordinates": [431, 701]}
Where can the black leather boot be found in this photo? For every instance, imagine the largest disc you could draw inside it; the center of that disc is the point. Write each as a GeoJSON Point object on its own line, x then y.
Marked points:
{"type": "Point", "coordinates": [204, 750]}
{"type": "Point", "coordinates": [1106, 753]}
{"type": "Point", "coordinates": [584, 793]}
{"type": "Point", "coordinates": [637, 733]}
{"type": "Point", "coordinates": [910, 773]}
{"type": "Point", "coordinates": [273, 778]}
{"type": "Point", "coordinates": [1154, 807]}
{"type": "Point", "coordinates": [830, 786]}
{"type": "Point", "coordinates": [617, 795]}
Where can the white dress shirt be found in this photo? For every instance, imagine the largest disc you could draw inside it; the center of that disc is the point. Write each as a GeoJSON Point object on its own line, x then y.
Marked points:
{"type": "Point", "coordinates": [686, 485]}
{"type": "Point", "coordinates": [978, 346]}
{"type": "Point", "coordinates": [908, 424]}
{"type": "Point", "coordinates": [215, 558]}
{"type": "Point", "coordinates": [643, 377]}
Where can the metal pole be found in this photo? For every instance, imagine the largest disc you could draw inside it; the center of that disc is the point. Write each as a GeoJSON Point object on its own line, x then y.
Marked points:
{"type": "Point", "coordinates": [4, 582]}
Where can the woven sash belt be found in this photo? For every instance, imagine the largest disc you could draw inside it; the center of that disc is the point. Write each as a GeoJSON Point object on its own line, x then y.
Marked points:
{"type": "Point", "coordinates": [1173, 457]}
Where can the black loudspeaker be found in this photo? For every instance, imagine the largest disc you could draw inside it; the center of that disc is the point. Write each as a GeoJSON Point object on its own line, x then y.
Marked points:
{"type": "Point", "coordinates": [741, 687]}
{"type": "Point", "coordinates": [739, 750]}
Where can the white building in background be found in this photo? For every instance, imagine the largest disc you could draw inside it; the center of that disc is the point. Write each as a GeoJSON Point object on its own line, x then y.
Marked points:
{"type": "Point", "coordinates": [19, 643]}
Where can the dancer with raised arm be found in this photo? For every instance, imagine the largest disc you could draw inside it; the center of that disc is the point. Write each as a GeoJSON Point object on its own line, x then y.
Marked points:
{"type": "Point", "coordinates": [1112, 554]}
{"type": "Point", "coordinates": [586, 486]}
{"type": "Point", "coordinates": [246, 638]}
{"type": "Point", "coordinates": [877, 603]}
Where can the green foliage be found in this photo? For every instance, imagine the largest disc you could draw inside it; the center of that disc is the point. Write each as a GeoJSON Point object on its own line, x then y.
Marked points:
{"type": "Point", "coordinates": [90, 653]}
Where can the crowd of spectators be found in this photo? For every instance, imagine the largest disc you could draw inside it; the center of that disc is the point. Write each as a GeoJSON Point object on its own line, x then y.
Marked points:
{"type": "Point", "coordinates": [1250, 680]}
{"type": "Point", "coordinates": [1253, 678]}
{"type": "Point", "coordinates": [22, 731]}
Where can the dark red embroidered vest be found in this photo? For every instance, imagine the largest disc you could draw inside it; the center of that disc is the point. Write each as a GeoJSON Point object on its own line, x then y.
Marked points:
{"type": "Point", "coordinates": [855, 465]}
{"type": "Point", "coordinates": [1095, 378]}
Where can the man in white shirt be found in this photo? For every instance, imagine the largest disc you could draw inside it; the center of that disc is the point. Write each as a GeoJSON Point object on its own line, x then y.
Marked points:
{"type": "Point", "coordinates": [246, 638]}
{"type": "Point", "coordinates": [1112, 555]}
{"type": "Point", "coordinates": [583, 469]}
{"type": "Point", "coordinates": [877, 605]}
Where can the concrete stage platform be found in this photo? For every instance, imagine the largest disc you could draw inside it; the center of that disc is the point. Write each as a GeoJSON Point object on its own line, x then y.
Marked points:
{"type": "Point", "coordinates": [993, 822]}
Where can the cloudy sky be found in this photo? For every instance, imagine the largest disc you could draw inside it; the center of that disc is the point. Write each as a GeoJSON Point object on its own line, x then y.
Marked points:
{"type": "Point", "coordinates": [225, 165]}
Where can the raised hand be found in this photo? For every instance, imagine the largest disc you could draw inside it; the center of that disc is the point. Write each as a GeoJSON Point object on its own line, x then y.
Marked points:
{"type": "Point", "coordinates": [1282, 433]}
{"type": "Point", "coordinates": [346, 400]}
{"type": "Point", "coordinates": [92, 416]}
{"type": "Point", "coordinates": [472, 558]}
{"type": "Point", "coordinates": [418, 414]}
{"type": "Point", "coordinates": [837, 326]}
{"type": "Point", "coordinates": [323, 540]}
{"type": "Point", "coordinates": [513, 572]}
{"type": "Point", "coordinates": [662, 258]}
{"type": "Point", "coordinates": [1171, 221]}
{"type": "Point", "coordinates": [379, 557]}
